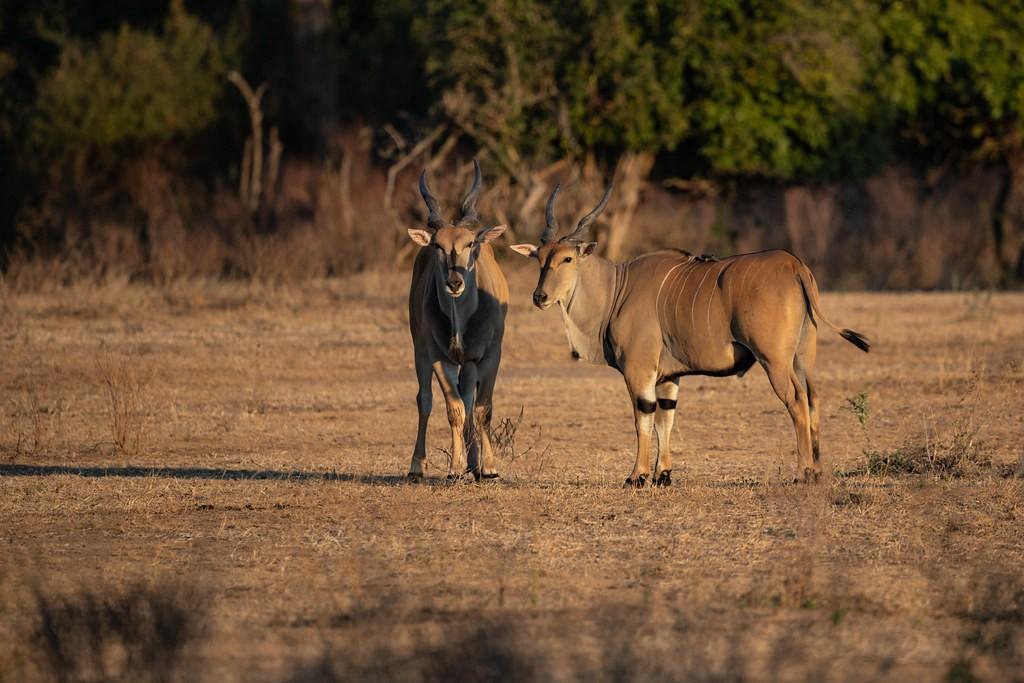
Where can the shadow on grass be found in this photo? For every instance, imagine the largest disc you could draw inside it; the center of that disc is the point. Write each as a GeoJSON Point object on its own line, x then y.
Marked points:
{"type": "Point", "coordinates": [135, 633]}
{"type": "Point", "coordinates": [25, 470]}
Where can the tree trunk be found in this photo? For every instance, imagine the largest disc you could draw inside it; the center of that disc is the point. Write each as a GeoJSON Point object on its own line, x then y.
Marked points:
{"type": "Point", "coordinates": [630, 176]}
{"type": "Point", "coordinates": [1008, 221]}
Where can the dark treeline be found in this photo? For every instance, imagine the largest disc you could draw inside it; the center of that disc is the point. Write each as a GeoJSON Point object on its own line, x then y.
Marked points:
{"type": "Point", "coordinates": [879, 140]}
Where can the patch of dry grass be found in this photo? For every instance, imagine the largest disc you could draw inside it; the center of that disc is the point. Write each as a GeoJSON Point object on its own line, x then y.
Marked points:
{"type": "Point", "coordinates": [275, 425]}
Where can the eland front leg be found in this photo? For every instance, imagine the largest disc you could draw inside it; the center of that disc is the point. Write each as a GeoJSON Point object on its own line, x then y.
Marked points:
{"type": "Point", "coordinates": [424, 403]}
{"type": "Point", "coordinates": [448, 377]}
{"type": "Point", "coordinates": [642, 394]}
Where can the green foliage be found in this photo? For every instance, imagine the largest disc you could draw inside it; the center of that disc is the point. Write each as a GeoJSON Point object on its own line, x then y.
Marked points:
{"type": "Point", "coordinates": [952, 75]}
{"type": "Point", "coordinates": [496, 63]}
{"type": "Point", "coordinates": [778, 86]}
{"type": "Point", "coordinates": [624, 75]}
{"type": "Point", "coordinates": [760, 88]}
{"type": "Point", "coordinates": [858, 405]}
{"type": "Point", "coordinates": [133, 87]}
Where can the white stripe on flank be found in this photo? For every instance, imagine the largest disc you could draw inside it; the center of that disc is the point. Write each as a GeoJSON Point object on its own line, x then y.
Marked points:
{"type": "Point", "coordinates": [657, 299]}
{"type": "Point", "coordinates": [693, 307]}
{"type": "Point", "coordinates": [746, 272]}
{"type": "Point", "coordinates": [682, 287]}
{"type": "Point", "coordinates": [759, 265]}
{"type": "Point", "coordinates": [711, 298]}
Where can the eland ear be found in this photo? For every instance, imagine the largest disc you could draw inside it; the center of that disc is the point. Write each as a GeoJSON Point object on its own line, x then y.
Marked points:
{"type": "Point", "coordinates": [420, 237]}
{"type": "Point", "coordinates": [490, 233]}
{"type": "Point", "coordinates": [524, 249]}
{"type": "Point", "coordinates": [586, 248]}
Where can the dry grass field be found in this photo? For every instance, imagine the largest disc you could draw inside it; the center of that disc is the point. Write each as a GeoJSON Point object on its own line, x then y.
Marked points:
{"type": "Point", "coordinates": [205, 482]}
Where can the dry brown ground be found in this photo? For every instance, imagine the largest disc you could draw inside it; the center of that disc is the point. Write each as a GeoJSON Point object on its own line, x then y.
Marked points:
{"type": "Point", "coordinates": [239, 450]}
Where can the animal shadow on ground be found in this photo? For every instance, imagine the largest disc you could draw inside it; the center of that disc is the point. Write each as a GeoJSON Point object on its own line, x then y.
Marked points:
{"type": "Point", "coordinates": [25, 470]}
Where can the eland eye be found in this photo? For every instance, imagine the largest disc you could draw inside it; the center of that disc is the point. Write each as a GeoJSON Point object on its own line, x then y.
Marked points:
{"type": "Point", "coordinates": [568, 259]}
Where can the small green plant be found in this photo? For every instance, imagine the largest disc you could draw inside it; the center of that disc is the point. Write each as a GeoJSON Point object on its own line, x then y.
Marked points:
{"type": "Point", "coordinates": [861, 409]}
{"type": "Point", "coordinates": [858, 405]}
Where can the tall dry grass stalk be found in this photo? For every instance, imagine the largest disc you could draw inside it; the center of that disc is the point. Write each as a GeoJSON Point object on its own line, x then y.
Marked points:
{"type": "Point", "coordinates": [33, 424]}
{"type": "Point", "coordinates": [125, 389]}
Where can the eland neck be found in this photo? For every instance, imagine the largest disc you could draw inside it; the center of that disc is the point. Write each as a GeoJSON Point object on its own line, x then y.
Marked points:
{"type": "Point", "coordinates": [589, 308]}
{"type": "Point", "coordinates": [458, 311]}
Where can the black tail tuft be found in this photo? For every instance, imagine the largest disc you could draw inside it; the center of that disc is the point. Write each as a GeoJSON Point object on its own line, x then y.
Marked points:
{"type": "Point", "coordinates": [857, 339]}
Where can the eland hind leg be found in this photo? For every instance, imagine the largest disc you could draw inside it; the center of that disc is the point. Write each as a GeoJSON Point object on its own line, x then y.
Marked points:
{"type": "Point", "coordinates": [815, 415]}
{"type": "Point", "coordinates": [469, 375]}
{"type": "Point", "coordinates": [791, 391]}
{"type": "Point", "coordinates": [804, 365]}
{"type": "Point", "coordinates": [482, 414]}
{"type": "Point", "coordinates": [667, 394]}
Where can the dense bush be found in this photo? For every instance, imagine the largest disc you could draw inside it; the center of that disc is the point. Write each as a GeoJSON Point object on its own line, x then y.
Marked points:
{"type": "Point", "coordinates": [132, 87]}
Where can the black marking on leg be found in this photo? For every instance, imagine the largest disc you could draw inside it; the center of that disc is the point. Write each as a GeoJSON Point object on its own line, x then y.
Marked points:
{"type": "Point", "coordinates": [645, 406]}
{"type": "Point", "coordinates": [664, 479]}
{"type": "Point", "coordinates": [667, 403]}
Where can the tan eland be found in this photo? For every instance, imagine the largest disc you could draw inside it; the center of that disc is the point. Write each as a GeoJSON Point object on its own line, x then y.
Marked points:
{"type": "Point", "coordinates": [668, 314]}
{"type": "Point", "coordinates": [457, 303]}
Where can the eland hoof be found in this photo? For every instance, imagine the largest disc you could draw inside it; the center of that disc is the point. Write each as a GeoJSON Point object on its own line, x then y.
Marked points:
{"type": "Point", "coordinates": [637, 483]}
{"type": "Point", "coordinates": [414, 477]}
{"type": "Point", "coordinates": [811, 476]}
{"type": "Point", "coordinates": [664, 479]}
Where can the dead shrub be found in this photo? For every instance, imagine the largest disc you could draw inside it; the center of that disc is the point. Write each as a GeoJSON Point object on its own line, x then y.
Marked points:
{"type": "Point", "coordinates": [137, 634]}
{"type": "Point", "coordinates": [124, 386]}
{"type": "Point", "coordinates": [503, 435]}
{"type": "Point", "coordinates": [1012, 470]}
{"type": "Point", "coordinates": [955, 451]}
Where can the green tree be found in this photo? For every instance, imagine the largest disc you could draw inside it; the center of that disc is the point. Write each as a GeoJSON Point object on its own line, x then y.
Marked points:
{"type": "Point", "coordinates": [776, 88]}
{"type": "Point", "coordinates": [760, 88]}
{"type": "Point", "coordinates": [132, 87]}
{"type": "Point", "coordinates": [952, 76]}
